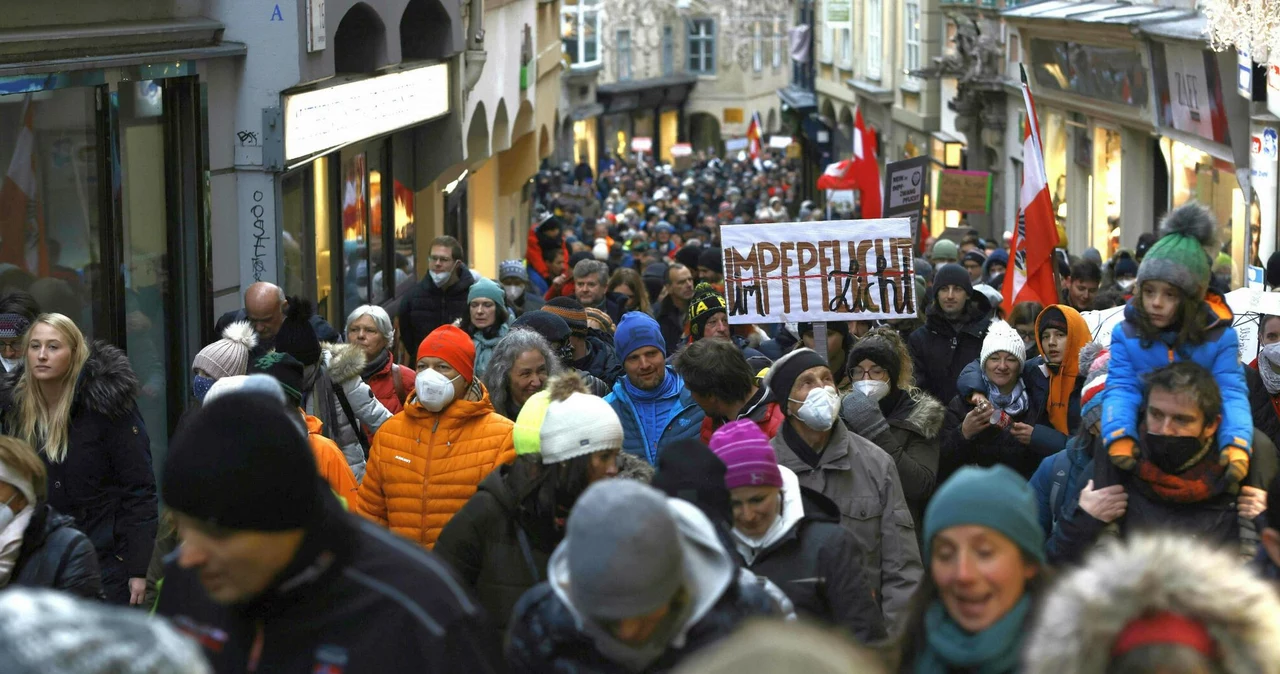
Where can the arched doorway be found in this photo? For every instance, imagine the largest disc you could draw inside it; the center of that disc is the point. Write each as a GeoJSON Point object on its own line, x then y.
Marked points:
{"type": "Point", "coordinates": [360, 42]}
{"type": "Point", "coordinates": [704, 133]}
{"type": "Point", "coordinates": [478, 135]}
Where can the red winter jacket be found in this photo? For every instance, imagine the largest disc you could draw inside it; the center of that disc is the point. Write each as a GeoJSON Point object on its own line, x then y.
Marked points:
{"type": "Point", "coordinates": [768, 417]}
{"type": "Point", "coordinates": [384, 389]}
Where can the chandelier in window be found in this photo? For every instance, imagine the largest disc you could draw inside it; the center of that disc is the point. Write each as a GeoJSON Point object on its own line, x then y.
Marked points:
{"type": "Point", "coordinates": [1251, 26]}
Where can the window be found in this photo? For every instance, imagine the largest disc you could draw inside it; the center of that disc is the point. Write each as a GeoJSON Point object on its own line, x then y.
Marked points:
{"type": "Point", "coordinates": [779, 42]}
{"type": "Point", "coordinates": [702, 46]}
{"type": "Point", "coordinates": [828, 43]}
{"type": "Point", "coordinates": [846, 47]}
{"type": "Point", "coordinates": [623, 64]}
{"type": "Point", "coordinates": [579, 32]}
{"type": "Point", "coordinates": [874, 21]}
{"type": "Point", "coordinates": [911, 41]}
{"type": "Point", "coordinates": [757, 46]}
{"type": "Point", "coordinates": [668, 51]}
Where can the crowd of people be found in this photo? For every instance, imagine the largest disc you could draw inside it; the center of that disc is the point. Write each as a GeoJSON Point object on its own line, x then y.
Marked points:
{"type": "Point", "coordinates": [581, 466]}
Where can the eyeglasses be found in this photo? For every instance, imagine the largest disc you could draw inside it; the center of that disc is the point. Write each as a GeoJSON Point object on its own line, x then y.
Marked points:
{"type": "Point", "coordinates": [874, 372]}
{"type": "Point", "coordinates": [440, 260]}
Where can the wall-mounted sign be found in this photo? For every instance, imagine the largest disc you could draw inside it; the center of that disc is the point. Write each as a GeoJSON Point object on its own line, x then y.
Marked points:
{"type": "Point", "coordinates": [1189, 91]}
{"type": "Point", "coordinates": [839, 11]}
{"type": "Point", "coordinates": [735, 144]}
{"type": "Point", "coordinates": [964, 191]}
{"type": "Point", "coordinates": [315, 121]}
{"type": "Point", "coordinates": [733, 115]}
{"type": "Point", "coordinates": [906, 183]}
{"type": "Point", "coordinates": [681, 150]}
{"type": "Point", "coordinates": [642, 144]}
{"type": "Point", "coordinates": [315, 25]}
{"type": "Point", "coordinates": [1244, 74]}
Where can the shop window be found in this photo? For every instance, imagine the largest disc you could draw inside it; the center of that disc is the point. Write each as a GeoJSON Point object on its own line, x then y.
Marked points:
{"type": "Point", "coordinates": [580, 32]}
{"type": "Point", "coordinates": [827, 53]}
{"type": "Point", "coordinates": [874, 23]}
{"type": "Point", "coordinates": [1054, 134]}
{"type": "Point", "coordinates": [1106, 184]}
{"type": "Point", "coordinates": [757, 46]}
{"type": "Point", "coordinates": [1198, 176]}
{"type": "Point", "coordinates": [779, 44]}
{"type": "Point", "coordinates": [323, 198]}
{"type": "Point", "coordinates": [623, 54]}
{"type": "Point", "coordinates": [702, 46]}
{"type": "Point", "coordinates": [668, 51]}
{"type": "Point", "coordinates": [846, 47]}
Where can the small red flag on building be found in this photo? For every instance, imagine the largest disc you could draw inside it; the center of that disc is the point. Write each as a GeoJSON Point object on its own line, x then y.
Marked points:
{"type": "Point", "coordinates": [755, 142]}
{"type": "Point", "coordinates": [866, 168]}
{"type": "Point", "coordinates": [1031, 272]}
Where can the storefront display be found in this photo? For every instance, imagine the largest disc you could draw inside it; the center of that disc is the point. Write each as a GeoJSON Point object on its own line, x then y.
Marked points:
{"type": "Point", "coordinates": [1105, 186]}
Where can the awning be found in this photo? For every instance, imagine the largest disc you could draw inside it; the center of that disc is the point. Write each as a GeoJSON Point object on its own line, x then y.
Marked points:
{"type": "Point", "coordinates": [797, 99]}
{"type": "Point", "coordinates": [1094, 12]}
{"type": "Point", "coordinates": [118, 44]}
{"type": "Point", "coordinates": [647, 94]}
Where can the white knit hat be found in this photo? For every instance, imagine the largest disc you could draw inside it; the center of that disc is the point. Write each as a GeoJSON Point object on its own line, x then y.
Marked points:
{"type": "Point", "coordinates": [228, 356]}
{"type": "Point", "coordinates": [578, 425]}
{"type": "Point", "coordinates": [1002, 337]}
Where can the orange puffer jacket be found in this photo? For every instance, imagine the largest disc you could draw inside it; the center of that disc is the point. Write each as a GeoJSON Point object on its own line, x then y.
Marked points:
{"type": "Point", "coordinates": [423, 466]}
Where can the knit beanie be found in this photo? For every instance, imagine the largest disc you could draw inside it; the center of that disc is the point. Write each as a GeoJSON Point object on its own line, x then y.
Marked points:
{"type": "Point", "coordinates": [952, 274]}
{"type": "Point", "coordinates": [450, 344]}
{"type": "Point", "coordinates": [606, 323]}
{"type": "Point", "coordinates": [711, 258]}
{"type": "Point", "coordinates": [1095, 361]}
{"type": "Point", "coordinates": [259, 383]}
{"type": "Point", "coordinates": [688, 256]}
{"type": "Point", "coordinates": [1052, 317]}
{"type": "Point", "coordinates": [230, 355]}
{"type": "Point", "coordinates": [974, 256]}
{"type": "Point", "coordinates": [636, 330]}
{"type": "Point", "coordinates": [571, 310]}
{"type": "Point", "coordinates": [706, 302]}
{"type": "Point", "coordinates": [999, 256]}
{"type": "Point", "coordinates": [922, 268]}
{"type": "Point", "coordinates": [47, 632]}
{"type": "Point", "coordinates": [1092, 255]}
{"type": "Point", "coordinates": [784, 372]}
{"type": "Point", "coordinates": [512, 269]}
{"type": "Point", "coordinates": [623, 551]}
{"type": "Point", "coordinates": [996, 498]}
{"type": "Point", "coordinates": [1179, 257]}
{"type": "Point", "coordinates": [1002, 337]}
{"type": "Point", "coordinates": [285, 369]}
{"type": "Point", "coordinates": [656, 270]}
{"type": "Point", "coordinates": [13, 326]}
{"type": "Point", "coordinates": [747, 456]}
{"type": "Point", "coordinates": [1125, 265]}
{"type": "Point", "coordinates": [879, 351]}
{"type": "Point", "coordinates": [296, 336]}
{"type": "Point", "coordinates": [688, 470]}
{"type": "Point", "coordinates": [487, 289]}
{"type": "Point", "coordinates": [242, 462]}
{"type": "Point", "coordinates": [577, 423]}
{"type": "Point", "coordinates": [945, 249]}
{"type": "Point", "coordinates": [527, 434]}
{"type": "Point", "coordinates": [550, 326]}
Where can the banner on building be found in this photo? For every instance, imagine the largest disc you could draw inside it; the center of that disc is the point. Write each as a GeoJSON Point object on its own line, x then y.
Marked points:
{"type": "Point", "coordinates": [839, 11]}
{"type": "Point", "coordinates": [906, 183]}
{"type": "Point", "coordinates": [964, 191]}
{"type": "Point", "coordinates": [842, 270]}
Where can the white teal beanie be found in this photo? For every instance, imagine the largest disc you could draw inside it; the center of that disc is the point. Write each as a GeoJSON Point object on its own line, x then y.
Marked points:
{"type": "Point", "coordinates": [1002, 337]}
{"type": "Point", "coordinates": [578, 425]}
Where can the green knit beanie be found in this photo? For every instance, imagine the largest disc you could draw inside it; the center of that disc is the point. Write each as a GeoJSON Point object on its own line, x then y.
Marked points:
{"type": "Point", "coordinates": [1179, 257]}
{"type": "Point", "coordinates": [527, 434]}
{"type": "Point", "coordinates": [996, 498]}
{"type": "Point", "coordinates": [487, 289]}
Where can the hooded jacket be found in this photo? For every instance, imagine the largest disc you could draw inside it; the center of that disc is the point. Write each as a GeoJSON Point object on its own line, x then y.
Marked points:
{"type": "Point", "coordinates": [57, 556]}
{"type": "Point", "coordinates": [105, 483]}
{"type": "Point", "coordinates": [344, 363]}
{"type": "Point", "coordinates": [330, 462]}
{"type": "Point", "coordinates": [383, 386]}
{"type": "Point", "coordinates": [601, 361]}
{"type": "Point", "coordinates": [816, 562]}
{"type": "Point", "coordinates": [646, 443]}
{"type": "Point", "coordinates": [1132, 356]}
{"type": "Point", "coordinates": [913, 444]}
{"type": "Point", "coordinates": [550, 634]}
{"type": "Point", "coordinates": [423, 465]}
{"type": "Point", "coordinates": [1063, 383]}
{"type": "Point", "coordinates": [941, 348]}
{"type": "Point", "coordinates": [355, 599]}
{"type": "Point", "coordinates": [1057, 483]}
{"type": "Point", "coordinates": [427, 306]}
{"type": "Point", "coordinates": [862, 481]}
{"type": "Point", "coordinates": [1086, 611]}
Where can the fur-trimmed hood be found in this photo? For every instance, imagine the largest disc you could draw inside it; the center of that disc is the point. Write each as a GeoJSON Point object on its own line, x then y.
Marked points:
{"type": "Point", "coordinates": [107, 384]}
{"type": "Point", "coordinates": [343, 361]}
{"type": "Point", "coordinates": [1087, 609]}
{"type": "Point", "coordinates": [923, 415]}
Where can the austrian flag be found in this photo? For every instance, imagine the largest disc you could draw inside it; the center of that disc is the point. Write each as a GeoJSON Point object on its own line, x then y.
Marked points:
{"type": "Point", "coordinates": [1031, 274]}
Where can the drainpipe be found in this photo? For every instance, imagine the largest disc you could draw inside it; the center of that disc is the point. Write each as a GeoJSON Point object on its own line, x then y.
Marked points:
{"type": "Point", "coordinates": [475, 56]}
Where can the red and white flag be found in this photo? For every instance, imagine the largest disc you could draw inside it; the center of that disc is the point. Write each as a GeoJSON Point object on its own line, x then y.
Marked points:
{"type": "Point", "coordinates": [1031, 272]}
{"type": "Point", "coordinates": [838, 176]}
{"type": "Point", "coordinates": [755, 142]}
{"type": "Point", "coordinates": [866, 168]}
{"type": "Point", "coordinates": [21, 217]}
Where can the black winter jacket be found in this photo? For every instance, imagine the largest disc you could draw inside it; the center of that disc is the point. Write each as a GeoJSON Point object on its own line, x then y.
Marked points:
{"type": "Point", "coordinates": [912, 442]}
{"type": "Point", "coordinates": [356, 599]}
{"type": "Point", "coordinates": [105, 483]}
{"type": "Point", "coordinates": [491, 551]}
{"type": "Point", "coordinates": [991, 446]}
{"type": "Point", "coordinates": [426, 307]}
{"type": "Point", "coordinates": [941, 349]}
{"type": "Point", "coordinates": [1265, 418]}
{"type": "Point", "coordinates": [819, 566]}
{"type": "Point", "coordinates": [56, 555]}
{"type": "Point", "coordinates": [672, 321]}
{"type": "Point", "coordinates": [601, 361]}
{"type": "Point", "coordinates": [324, 331]}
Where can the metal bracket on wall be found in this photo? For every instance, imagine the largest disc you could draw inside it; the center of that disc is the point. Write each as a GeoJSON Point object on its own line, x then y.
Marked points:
{"type": "Point", "coordinates": [272, 139]}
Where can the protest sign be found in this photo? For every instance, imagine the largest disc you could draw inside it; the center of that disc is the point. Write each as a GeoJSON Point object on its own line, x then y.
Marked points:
{"type": "Point", "coordinates": [964, 191]}
{"type": "Point", "coordinates": [842, 270]}
{"type": "Point", "coordinates": [906, 183]}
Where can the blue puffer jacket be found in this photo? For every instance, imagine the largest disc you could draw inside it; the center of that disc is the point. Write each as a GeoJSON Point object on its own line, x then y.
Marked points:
{"type": "Point", "coordinates": [1057, 484]}
{"type": "Point", "coordinates": [685, 423]}
{"type": "Point", "coordinates": [1133, 357]}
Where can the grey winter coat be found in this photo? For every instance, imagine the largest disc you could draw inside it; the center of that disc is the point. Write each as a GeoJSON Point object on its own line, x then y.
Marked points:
{"type": "Point", "coordinates": [912, 442]}
{"type": "Point", "coordinates": [863, 481]}
{"type": "Point", "coordinates": [344, 363]}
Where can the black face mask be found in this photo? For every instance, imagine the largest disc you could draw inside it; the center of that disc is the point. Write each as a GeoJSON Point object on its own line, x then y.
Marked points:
{"type": "Point", "coordinates": [1171, 453]}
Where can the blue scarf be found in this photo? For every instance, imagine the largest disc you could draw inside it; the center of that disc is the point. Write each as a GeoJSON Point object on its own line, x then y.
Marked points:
{"type": "Point", "coordinates": [654, 409]}
{"type": "Point", "coordinates": [994, 650]}
{"type": "Point", "coordinates": [485, 347]}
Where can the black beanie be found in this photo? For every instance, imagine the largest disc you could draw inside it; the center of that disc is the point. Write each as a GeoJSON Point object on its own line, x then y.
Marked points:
{"type": "Point", "coordinates": [550, 326]}
{"type": "Point", "coordinates": [879, 351]}
{"type": "Point", "coordinates": [241, 462]}
{"type": "Point", "coordinates": [579, 257]}
{"type": "Point", "coordinates": [952, 274]}
{"type": "Point", "coordinates": [296, 337]}
{"type": "Point", "coordinates": [689, 256]}
{"type": "Point", "coordinates": [706, 303]}
{"type": "Point", "coordinates": [688, 470]}
{"type": "Point", "coordinates": [1051, 317]}
{"type": "Point", "coordinates": [285, 369]}
{"type": "Point", "coordinates": [784, 373]}
{"type": "Point", "coordinates": [712, 258]}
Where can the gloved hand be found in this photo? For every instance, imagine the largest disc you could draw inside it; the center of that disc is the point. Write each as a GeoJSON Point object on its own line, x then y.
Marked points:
{"type": "Point", "coordinates": [1237, 462]}
{"type": "Point", "coordinates": [862, 415]}
{"type": "Point", "coordinates": [1123, 453]}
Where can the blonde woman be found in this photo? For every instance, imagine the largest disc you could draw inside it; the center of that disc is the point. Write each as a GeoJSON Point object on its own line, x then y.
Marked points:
{"type": "Point", "coordinates": [75, 404]}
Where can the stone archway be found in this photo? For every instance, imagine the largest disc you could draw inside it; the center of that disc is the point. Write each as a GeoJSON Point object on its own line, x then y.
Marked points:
{"type": "Point", "coordinates": [359, 43]}
{"type": "Point", "coordinates": [427, 31]}
{"type": "Point", "coordinates": [478, 135]}
{"type": "Point", "coordinates": [501, 133]}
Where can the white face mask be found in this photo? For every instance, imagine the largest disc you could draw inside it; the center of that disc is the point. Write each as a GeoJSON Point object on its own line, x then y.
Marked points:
{"type": "Point", "coordinates": [11, 364]}
{"type": "Point", "coordinates": [6, 513]}
{"type": "Point", "coordinates": [513, 292]}
{"type": "Point", "coordinates": [1126, 283]}
{"type": "Point", "coordinates": [440, 276]}
{"type": "Point", "coordinates": [818, 411]}
{"type": "Point", "coordinates": [874, 389]}
{"type": "Point", "coordinates": [435, 391]}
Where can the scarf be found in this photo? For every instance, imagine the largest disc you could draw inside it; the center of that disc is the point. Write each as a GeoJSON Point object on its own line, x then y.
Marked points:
{"type": "Point", "coordinates": [1013, 404]}
{"type": "Point", "coordinates": [484, 348]}
{"type": "Point", "coordinates": [654, 409]}
{"type": "Point", "coordinates": [1269, 367]}
{"type": "Point", "coordinates": [11, 542]}
{"type": "Point", "coordinates": [994, 650]}
{"type": "Point", "coordinates": [375, 366]}
{"type": "Point", "coordinates": [1196, 484]}
{"type": "Point", "coordinates": [1062, 380]}
{"type": "Point", "coordinates": [799, 447]}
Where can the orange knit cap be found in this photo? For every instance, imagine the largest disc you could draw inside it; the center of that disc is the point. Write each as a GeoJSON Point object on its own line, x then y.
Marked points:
{"type": "Point", "coordinates": [453, 346]}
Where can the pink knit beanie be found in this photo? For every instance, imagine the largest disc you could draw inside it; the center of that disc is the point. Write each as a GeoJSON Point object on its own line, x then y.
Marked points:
{"type": "Point", "coordinates": [745, 450]}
